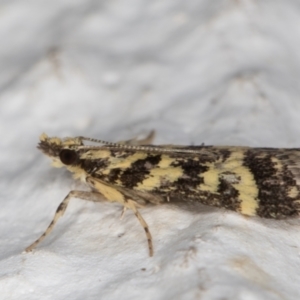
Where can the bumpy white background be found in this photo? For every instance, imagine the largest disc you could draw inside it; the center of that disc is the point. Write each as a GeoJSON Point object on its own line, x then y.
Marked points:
{"type": "Point", "coordinates": [218, 72]}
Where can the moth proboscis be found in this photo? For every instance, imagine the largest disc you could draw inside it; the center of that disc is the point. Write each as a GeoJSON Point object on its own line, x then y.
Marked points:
{"type": "Point", "coordinates": [262, 182]}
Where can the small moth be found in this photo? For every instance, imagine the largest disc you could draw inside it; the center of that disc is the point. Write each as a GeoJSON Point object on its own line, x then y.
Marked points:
{"type": "Point", "coordinates": [262, 182]}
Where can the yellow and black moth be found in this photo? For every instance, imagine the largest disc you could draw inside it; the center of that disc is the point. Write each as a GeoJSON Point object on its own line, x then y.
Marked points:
{"type": "Point", "coordinates": [262, 182]}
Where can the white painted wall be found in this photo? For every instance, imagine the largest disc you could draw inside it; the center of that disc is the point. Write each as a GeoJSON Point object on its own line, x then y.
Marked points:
{"type": "Point", "coordinates": [219, 72]}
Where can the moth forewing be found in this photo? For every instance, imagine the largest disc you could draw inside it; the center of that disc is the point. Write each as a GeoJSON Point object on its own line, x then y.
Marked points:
{"type": "Point", "coordinates": [261, 182]}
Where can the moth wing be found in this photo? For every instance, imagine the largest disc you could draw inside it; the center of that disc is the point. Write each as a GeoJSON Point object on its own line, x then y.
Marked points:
{"type": "Point", "coordinates": [290, 159]}
{"type": "Point", "coordinates": [112, 192]}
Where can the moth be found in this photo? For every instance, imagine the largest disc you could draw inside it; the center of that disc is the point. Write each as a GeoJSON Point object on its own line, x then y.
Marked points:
{"type": "Point", "coordinates": [262, 182]}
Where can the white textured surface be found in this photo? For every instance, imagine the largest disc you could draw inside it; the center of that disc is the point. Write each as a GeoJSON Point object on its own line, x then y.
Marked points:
{"type": "Point", "coordinates": [219, 72]}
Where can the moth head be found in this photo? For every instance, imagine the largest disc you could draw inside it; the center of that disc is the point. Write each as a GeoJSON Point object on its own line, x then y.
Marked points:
{"type": "Point", "coordinates": [63, 152]}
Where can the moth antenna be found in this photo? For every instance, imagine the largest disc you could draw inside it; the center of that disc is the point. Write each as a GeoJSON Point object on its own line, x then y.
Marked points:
{"type": "Point", "coordinates": [109, 146]}
{"type": "Point", "coordinates": [83, 138]}
{"type": "Point", "coordinates": [115, 145]}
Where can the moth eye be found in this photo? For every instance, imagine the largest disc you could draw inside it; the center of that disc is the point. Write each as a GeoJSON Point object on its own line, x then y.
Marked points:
{"type": "Point", "coordinates": [67, 156]}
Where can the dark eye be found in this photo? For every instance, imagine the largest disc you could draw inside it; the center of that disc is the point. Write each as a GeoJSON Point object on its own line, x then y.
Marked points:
{"type": "Point", "coordinates": [67, 156]}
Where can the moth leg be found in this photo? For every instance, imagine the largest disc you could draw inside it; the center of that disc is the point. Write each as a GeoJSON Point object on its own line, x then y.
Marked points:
{"type": "Point", "coordinates": [123, 212]}
{"type": "Point", "coordinates": [135, 142]}
{"type": "Point", "coordinates": [89, 196]}
{"type": "Point", "coordinates": [125, 208]}
{"type": "Point", "coordinates": [133, 206]}
{"type": "Point", "coordinates": [147, 140]}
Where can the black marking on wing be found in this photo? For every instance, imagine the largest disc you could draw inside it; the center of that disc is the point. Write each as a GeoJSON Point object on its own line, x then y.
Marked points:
{"type": "Point", "coordinates": [92, 166]}
{"type": "Point", "coordinates": [273, 185]}
{"type": "Point", "coordinates": [138, 171]}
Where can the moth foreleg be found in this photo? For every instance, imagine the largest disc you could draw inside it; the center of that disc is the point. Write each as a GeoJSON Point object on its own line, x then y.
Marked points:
{"type": "Point", "coordinates": [89, 196]}
{"type": "Point", "coordinates": [133, 206]}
